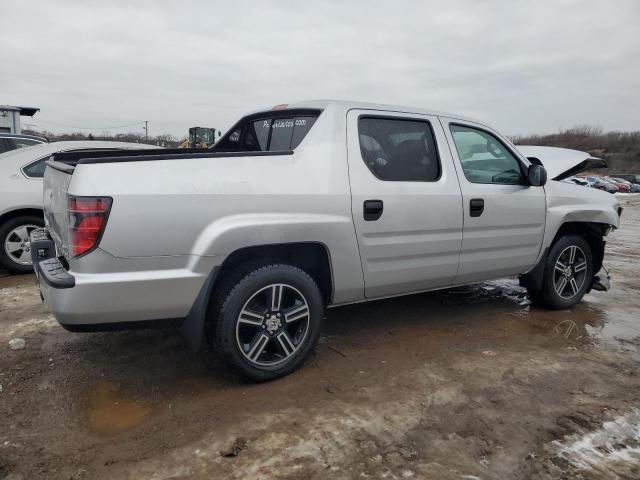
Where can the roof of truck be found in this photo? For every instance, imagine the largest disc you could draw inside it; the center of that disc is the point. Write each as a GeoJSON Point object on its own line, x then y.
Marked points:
{"type": "Point", "coordinates": [348, 105]}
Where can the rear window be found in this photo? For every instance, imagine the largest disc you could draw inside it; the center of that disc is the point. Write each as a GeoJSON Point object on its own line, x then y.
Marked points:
{"type": "Point", "coordinates": [36, 169]}
{"type": "Point", "coordinates": [269, 132]}
{"type": "Point", "coordinates": [26, 142]}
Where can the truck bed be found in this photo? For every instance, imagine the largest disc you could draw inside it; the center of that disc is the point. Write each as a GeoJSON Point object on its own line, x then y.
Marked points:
{"type": "Point", "coordinates": [66, 161]}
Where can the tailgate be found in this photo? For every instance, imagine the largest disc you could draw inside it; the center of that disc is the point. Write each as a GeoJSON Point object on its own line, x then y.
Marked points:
{"type": "Point", "coordinates": [57, 177]}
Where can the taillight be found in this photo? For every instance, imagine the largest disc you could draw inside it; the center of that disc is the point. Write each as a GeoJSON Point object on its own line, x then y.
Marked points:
{"type": "Point", "coordinates": [87, 219]}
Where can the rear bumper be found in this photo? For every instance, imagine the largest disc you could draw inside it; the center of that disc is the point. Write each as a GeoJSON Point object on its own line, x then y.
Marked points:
{"type": "Point", "coordinates": [54, 274]}
{"type": "Point", "coordinates": [81, 300]}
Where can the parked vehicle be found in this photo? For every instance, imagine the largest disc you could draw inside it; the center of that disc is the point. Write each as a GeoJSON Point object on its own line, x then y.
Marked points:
{"type": "Point", "coordinates": [628, 177]}
{"type": "Point", "coordinates": [10, 141]}
{"type": "Point", "coordinates": [623, 187]}
{"type": "Point", "coordinates": [21, 173]}
{"type": "Point", "coordinates": [303, 207]}
{"type": "Point", "coordinates": [590, 180]}
{"type": "Point", "coordinates": [199, 137]}
{"type": "Point", "coordinates": [623, 182]}
{"type": "Point", "coordinates": [606, 186]}
{"type": "Point", "coordinates": [632, 187]}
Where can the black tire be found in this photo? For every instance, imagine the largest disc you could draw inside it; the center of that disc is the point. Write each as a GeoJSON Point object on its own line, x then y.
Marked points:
{"type": "Point", "coordinates": [247, 284]}
{"type": "Point", "coordinates": [5, 229]}
{"type": "Point", "coordinates": [548, 295]}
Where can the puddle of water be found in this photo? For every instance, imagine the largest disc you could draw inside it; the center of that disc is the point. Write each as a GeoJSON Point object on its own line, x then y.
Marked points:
{"type": "Point", "coordinates": [109, 413]}
{"type": "Point", "coordinates": [600, 318]}
{"type": "Point", "coordinates": [612, 451]}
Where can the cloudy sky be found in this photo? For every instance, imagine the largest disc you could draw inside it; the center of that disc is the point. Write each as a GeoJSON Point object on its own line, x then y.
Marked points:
{"type": "Point", "coordinates": [523, 66]}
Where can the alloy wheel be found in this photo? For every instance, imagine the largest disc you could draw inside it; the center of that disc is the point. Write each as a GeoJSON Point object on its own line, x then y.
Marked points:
{"type": "Point", "coordinates": [272, 324]}
{"type": "Point", "coordinates": [570, 272]}
{"type": "Point", "coordinates": [17, 244]}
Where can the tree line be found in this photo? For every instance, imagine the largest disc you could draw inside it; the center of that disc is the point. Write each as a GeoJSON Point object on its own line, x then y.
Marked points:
{"type": "Point", "coordinates": [165, 140]}
{"type": "Point", "coordinates": [621, 150]}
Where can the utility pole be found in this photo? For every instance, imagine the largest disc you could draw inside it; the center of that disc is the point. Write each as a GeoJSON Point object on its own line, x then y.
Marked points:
{"type": "Point", "coordinates": [146, 130]}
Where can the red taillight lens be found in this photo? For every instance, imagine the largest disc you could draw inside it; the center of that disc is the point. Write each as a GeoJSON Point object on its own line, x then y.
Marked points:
{"type": "Point", "coordinates": [87, 219]}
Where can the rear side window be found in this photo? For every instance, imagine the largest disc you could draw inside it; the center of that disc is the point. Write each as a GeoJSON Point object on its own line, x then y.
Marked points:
{"type": "Point", "coordinates": [36, 169]}
{"type": "Point", "coordinates": [398, 149]}
{"type": "Point", "coordinates": [268, 132]}
{"type": "Point", "coordinates": [25, 142]}
{"type": "Point", "coordinates": [6, 145]}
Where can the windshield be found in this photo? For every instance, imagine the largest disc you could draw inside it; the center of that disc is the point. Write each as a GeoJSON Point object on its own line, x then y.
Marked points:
{"type": "Point", "coordinates": [203, 135]}
{"type": "Point", "coordinates": [274, 131]}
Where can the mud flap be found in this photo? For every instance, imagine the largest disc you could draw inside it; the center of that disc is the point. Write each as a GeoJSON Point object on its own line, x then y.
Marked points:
{"type": "Point", "coordinates": [532, 280]}
{"type": "Point", "coordinates": [601, 281]}
{"type": "Point", "coordinates": [193, 326]}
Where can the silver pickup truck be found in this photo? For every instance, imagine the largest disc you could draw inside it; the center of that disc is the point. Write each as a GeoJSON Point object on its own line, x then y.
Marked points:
{"type": "Point", "coordinates": [303, 207]}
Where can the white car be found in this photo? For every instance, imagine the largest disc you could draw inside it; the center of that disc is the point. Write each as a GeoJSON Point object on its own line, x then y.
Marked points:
{"type": "Point", "coordinates": [9, 141]}
{"type": "Point", "coordinates": [21, 173]}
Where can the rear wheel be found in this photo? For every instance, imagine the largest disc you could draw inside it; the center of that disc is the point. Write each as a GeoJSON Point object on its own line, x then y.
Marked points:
{"type": "Point", "coordinates": [568, 272]}
{"type": "Point", "coordinates": [15, 252]}
{"type": "Point", "coordinates": [268, 320]}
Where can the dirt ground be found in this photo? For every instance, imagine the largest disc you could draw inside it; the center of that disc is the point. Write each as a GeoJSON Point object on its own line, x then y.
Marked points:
{"type": "Point", "coordinates": [470, 383]}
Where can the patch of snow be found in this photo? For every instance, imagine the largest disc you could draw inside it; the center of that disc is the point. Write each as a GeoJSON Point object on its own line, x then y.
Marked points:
{"type": "Point", "coordinates": [613, 450]}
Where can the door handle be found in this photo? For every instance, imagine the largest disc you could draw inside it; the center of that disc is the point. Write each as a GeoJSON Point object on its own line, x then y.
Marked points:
{"type": "Point", "coordinates": [476, 207]}
{"type": "Point", "coordinates": [372, 210]}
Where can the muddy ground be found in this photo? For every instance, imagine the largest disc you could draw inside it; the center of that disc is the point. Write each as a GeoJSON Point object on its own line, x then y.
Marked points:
{"type": "Point", "coordinates": [470, 383]}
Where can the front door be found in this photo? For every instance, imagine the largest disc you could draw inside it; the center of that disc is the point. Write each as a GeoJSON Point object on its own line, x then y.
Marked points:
{"type": "Point", "coordinates": [504, 217]}
{"type": "Point", "coordinates": [406, 201]}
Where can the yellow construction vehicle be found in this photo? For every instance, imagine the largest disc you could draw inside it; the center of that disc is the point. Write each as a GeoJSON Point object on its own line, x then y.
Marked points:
{"type": "Point", "coordinates": [199, 137]}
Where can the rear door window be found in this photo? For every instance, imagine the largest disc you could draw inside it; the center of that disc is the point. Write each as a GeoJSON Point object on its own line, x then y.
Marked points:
{"type": "Point", "coordinates": [25, 142]}
{"type": "Point", "coordinates": [399, 149]}
{"type": "Point", "coordinates": [268, 132]}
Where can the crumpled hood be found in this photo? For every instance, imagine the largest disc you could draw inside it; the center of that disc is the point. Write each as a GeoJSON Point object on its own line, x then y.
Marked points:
{"type": "Point", "coordinates": [561, 163]}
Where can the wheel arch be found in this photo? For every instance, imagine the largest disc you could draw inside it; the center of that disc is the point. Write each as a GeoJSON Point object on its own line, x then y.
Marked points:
{"type": "Point", "coordinates": [18, 212]}
{"type": "Point", "coordinates": [314, 258]}
{"type": "Point", "coordinates": [7, 258]}
{"type": "Point", "coordinates": [592, 232]}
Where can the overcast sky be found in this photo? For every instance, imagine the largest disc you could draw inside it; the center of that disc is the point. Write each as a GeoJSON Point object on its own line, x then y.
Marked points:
{"type": "Point", "coordinates": [522, 66]}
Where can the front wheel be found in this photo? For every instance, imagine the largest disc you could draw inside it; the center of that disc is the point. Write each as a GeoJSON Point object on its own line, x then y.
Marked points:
{"type": "Point", "coordinates": [568, 273]}
{"type": "Point", "coordinates": [15, 250]}
{"type": "Point", "coordinates": [268, 321]}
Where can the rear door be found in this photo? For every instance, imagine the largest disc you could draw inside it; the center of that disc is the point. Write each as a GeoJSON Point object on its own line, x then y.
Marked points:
{"type": "Point", "coordinates": [406, 201]}
{"type": "Point", "coordinates": [504, 217]}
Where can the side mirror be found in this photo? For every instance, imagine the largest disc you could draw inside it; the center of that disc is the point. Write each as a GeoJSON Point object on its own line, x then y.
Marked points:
{"type": "Point", "coordinates": [536, 175]}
